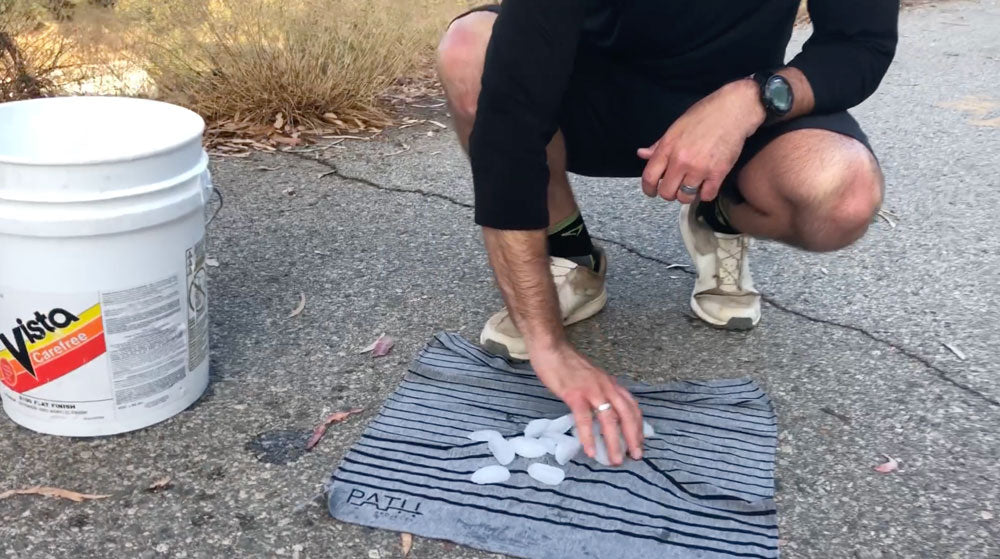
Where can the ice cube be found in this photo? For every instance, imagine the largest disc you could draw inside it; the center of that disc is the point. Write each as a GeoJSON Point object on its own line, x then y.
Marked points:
{"type": "Point", "coordinates": [549, 475]}
{"type": "Point", "coordinates": [485, 436]}
{"type": "Point", "coordinates": [528, 448]}
{"type": "Point", "coordinates": [566, 449]}
{"type": "Point", "coordinates": [596, 428]}
{"type": "Point", "coordinates": [536, 428]}
{"type": "Point", "coordinates": [550, 443]}
{"type": "Point", "coordinates": [647, 430]}
{"type": "Point", "coordinates": [491, 474]}
{"type": "Point", "coordinates": [502, 450]}
{"type": "Point", "coordinates": [560, 425]}
{"type": "Point", "coordinates": [601, 452]}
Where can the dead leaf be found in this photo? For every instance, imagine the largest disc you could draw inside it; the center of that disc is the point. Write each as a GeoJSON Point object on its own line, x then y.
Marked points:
{"type": "Point", "coordinates": [267, 168]}
{"type": "Point", "coordinates": [52, 492]}
{"type": "Point", "coordinates": [279, 121]}
{"type": "Point", "coordinates": [991, 122]}
{"type": "Point", "coordinates": [406, 542]}
{"type": "Point", "coordinates": [436, 123]}
{"type": "Point", "coordinates": [212, 262]}
{"type": "Point", "coordinates": [977, 106]}
{"type": "Point", "coordinates": [380, 347]}
{"type": "Point", "coordinates": [958, 353]}
{"type": "Point", "coordinates": [302, 306]}
{"type": "Point", "coordinates": [161, 484]}
{"type": "Point", "coordinates": [290, 191]}
{"type": "Point", "coordinates": [320, 429]}
{"type": "Point", "coordinates": [288, 141]}
{"type": "Point", "coordinates": [891, 465]}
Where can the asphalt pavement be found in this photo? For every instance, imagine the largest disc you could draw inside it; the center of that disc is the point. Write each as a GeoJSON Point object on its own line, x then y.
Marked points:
{"type": "Point", "coordinates": [379, 237]}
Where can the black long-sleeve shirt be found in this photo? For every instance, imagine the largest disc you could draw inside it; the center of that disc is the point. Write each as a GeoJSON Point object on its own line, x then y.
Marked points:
{"type": "Point", "coordinates": [693, 45]}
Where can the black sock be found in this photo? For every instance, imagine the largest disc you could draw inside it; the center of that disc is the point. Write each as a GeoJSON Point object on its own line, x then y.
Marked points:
{"type": "Point", "coordinates": [569, 239]}
{"type": "Point", "coordinates": [714, 215]}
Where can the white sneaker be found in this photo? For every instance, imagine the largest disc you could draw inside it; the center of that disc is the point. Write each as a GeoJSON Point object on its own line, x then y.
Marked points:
{"type": "Point", "coordinates": [581, 295]}
{"type": "Point", "coordinates": [723, 295]}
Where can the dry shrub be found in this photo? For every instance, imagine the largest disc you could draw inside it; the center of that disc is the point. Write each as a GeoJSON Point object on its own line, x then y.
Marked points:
{"type": "Point", "coordinates": [33, 54]}
{"type": "Point", "coordinates": [302, 63]}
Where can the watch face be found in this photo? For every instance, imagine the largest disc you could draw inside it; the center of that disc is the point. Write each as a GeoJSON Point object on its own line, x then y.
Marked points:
{"type": "Point", "coordinates": [779, 92]}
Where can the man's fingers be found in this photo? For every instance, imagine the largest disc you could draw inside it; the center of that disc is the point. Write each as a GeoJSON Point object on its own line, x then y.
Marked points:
{"type": "Point", "coordinates": [631, 421]}
{"type": "Point", "coordinates": [583, 415]}
{"type": "Point", "coordinates": [710, 189]}
{"type": "Point", "coordinates": [689, 179]}
{"type": "Point", "coordinates": [610, 430]}
{"type": "Point", "coordinates": [655, 166]}
{"type": "Point", "coordinates": [646, 153]}
{"type": "Point", "coordinates": [671, 180]}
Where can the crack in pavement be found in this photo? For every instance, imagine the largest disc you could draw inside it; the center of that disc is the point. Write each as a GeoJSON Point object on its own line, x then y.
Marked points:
{"type": "Point", "coordinates": [913, 355]}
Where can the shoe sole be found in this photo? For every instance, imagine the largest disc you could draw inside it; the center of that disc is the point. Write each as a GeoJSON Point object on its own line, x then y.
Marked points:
{"type": "Point", "coordinates": [735, 324]}
{"type": "Point", "coordinates": [586, 311]}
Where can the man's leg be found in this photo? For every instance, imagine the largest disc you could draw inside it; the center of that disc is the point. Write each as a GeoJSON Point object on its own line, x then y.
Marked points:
{"type": "Point", "coordinates": [813, 189]}
{"type": "Point", "coordinates": [461, 56]}
{"type": "Point", "coordinates": [579, 282]}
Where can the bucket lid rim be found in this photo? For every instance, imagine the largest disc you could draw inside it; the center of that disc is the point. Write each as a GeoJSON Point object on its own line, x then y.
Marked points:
{"type": "Point", "coordinates": [34, 161]}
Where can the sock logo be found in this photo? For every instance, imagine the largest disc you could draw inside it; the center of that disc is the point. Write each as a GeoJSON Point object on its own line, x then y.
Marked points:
{"type": "Point", "coordinates": [33, 331]}
{"type": "Point", "coordinates": [574, 232]}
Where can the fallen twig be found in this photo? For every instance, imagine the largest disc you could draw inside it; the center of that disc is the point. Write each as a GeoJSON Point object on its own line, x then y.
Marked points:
{"type": "Point", "coordinates": [885, 215]}
{"type": "Point", "coordinates": [958, 353]}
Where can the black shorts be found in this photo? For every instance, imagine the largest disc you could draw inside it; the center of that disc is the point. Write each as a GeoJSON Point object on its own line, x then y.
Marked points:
{"type": "Point", "coordinates": [610, 110]}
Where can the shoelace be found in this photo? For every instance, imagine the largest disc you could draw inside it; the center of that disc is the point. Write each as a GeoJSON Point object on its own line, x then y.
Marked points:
{"type": "Point", "coordinates": [730, 252]}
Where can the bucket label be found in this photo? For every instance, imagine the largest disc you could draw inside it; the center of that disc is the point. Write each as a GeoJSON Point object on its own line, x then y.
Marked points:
{"type": "Point", "coordinates": [148, 350]}
{"type": "Point", "coordinates": [197, 305]}
{"type": "Point", "coordinates": [104, 356]}
{"type": "Point", "coordinates": [46, 346]}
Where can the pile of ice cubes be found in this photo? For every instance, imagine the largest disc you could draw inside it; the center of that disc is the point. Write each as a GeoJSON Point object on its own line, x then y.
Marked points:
{"type": "Point", "coordinates": [541, 437]}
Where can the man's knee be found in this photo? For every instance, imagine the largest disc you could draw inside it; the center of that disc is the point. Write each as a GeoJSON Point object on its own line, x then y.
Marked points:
{"type": "Point", "coordinates": [854, 195]}
{"type": "Point", "coordinates": [460, 59]}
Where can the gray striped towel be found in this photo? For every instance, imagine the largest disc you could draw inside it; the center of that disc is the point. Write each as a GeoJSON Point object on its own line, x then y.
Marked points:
{"type": "Point", "coordinates": [704, 488]}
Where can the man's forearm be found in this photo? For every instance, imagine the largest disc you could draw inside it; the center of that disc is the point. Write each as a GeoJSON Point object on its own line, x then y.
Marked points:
{"type": "Point", "coordinates": [520, 262]}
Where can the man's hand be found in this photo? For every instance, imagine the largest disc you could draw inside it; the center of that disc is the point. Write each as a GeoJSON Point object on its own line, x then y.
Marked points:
{"type": "Point", "coordinates": [701, 146]}
{"type": "Point", "coordinates": [521, 265]}
{"type": "Point", "coordinates": [584, 387]}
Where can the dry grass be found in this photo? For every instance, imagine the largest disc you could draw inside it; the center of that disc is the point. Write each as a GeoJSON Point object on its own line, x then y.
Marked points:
{"type": "Point", "coordinates": [251, 67]}
{"type": "Point", "coordinates": [32, 52]}
{"type": "Point", "coordinates": [293, 65]}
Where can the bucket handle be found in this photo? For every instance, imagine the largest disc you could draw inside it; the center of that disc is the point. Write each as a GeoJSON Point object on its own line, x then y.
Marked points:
{"type": "Point", "coordinates": [207, 189]}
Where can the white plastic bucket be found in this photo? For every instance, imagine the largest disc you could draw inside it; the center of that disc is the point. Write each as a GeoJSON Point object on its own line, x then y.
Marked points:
{"type": "Point", "coordinates": [103, 301]}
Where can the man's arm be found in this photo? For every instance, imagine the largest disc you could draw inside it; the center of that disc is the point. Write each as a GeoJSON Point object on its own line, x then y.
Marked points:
{"type": "Point", "coordinates": [849, 52]}
{"type": "Point", "coordinates": [840, 66]}
{"type": "Point", "coordinates": [521, 264]}
{"type": "Point", "coordinates": [528, 64]}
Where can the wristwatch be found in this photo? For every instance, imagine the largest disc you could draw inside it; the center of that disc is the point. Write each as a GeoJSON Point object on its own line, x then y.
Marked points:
{"type": "Point", "coordinates": [775, 94]}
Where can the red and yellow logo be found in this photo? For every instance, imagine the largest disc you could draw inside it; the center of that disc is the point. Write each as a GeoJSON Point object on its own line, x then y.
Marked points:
{"type": "Point", "coordinates": [49, 347]}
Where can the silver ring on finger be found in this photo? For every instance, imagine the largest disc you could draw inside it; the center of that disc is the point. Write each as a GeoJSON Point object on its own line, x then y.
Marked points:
{"type": "Point", "coordinates": [690, 190]}
{"type": "Point", "coordinates": [606, 406]}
